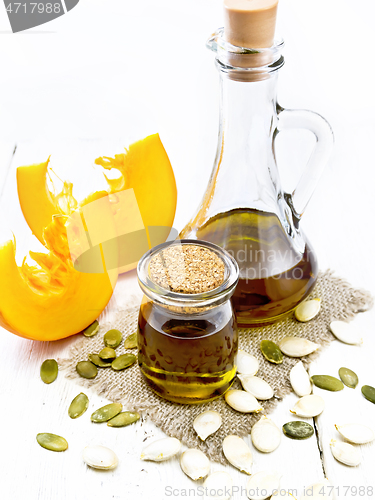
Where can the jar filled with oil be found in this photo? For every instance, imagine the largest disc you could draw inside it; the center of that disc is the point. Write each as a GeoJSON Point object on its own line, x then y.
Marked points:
{"type": "Point", "coordinates": [187, 331]}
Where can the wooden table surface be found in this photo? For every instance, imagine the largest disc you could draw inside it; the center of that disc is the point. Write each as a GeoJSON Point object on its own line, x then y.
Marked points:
{"type": "Point", "coordinates": [180, 101]}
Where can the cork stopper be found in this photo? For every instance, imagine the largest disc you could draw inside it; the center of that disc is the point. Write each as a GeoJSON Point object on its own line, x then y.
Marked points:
{"type": "Point", "coordinates": [250, 23]}
{"type": "Point", "coordinates": [187, 269]}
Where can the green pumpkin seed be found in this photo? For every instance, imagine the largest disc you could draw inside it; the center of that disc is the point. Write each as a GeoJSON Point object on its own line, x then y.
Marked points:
{"type": "Point", "coordinates": [369, 393]}
{"type": "Point", "coordinates": [123, 419]}
{"type": "Point", "coordinates": [123, 361]}
{"type": "Point", "coordinates": [131, 341]}
{"type": "Point", "coordinates": [113, 338]}
{"type": "Point", "coordinates": [91, 330]}
{"type": "Point", "coordinates": [106, 412]}
{"type": "Point", "coordinates": [271, 352]}
{"type": "Point", "coordinates": [107, 353]}
{"type": "Point", "coordinates": [94, 358]}
{"type": "Point", "coordinates": [78, 406]}
{"type": "Point", "coordinates": [52, 442]}
{"type": "Point", "coordinates": [327, 383]}
{"type": "Point", "coordinates": [86, 369]}
{"type": "Point", "coordinates": [49, 371]}
{"type": "Point", "coordinates": [349, 377]}
{"type": "Point", "coordinates": [298, 429]}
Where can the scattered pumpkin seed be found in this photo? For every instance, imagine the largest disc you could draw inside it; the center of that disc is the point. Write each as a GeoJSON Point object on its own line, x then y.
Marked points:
{"type": "Point", "coordinates": [265, 435]}
{"type": "Point", "coordinates": [131, 341]}
{"type": "Point", "coordinates": [94, 358]}
{"type": "Point", "coordinates": [345, 453]}
{"type": "Point", "coordinates": [238, 453]}
{"type": "Point", "coordinates": [346, 332]}
{"type": "Point", "coordinates": [106, 412]}
{"type": "Point", "coordinates": [52, 442]}
{"type": "Point", "coordinates": [49, 371]}
{"type": "Point", "coordinates": [207, 423]}
{"type": "Point", "coordinates": [112, 338]}
{"type": "Point", "coordinates": [247, 364]}
{"type": "Point", "coordinates": [195, 464]}
{"type": "Point", "coordinates": [256, 386]}
{"type": "Point", "coordinates": [297, 347]}
{"type": "Point", "coordinates": [242, 401]}
{"type": "Point", "coordinates": [100, 457]}
{"type": "Point", "coordinates": [309, 406]}
{"type": "Point", "coordinates": [107, 354]}
{"type": "Point", "coordinates": [349, 377]}
{"type": "Point", "coordinates": [271, 352]}
{"type": "Point", "coordinates": [91, 330]}
{"type": "Point", "coordinates": [123, 419]}
{"type": "Point", "coordinates": [369, 393]}
{"type": "Point", "coordinates": [356, 433]}
{"type": "Point", "coordinates": [298, 429]}
{"type": "Point", "coordinates": [262, 485]}
{"type": "Point", "coordinates": [300, 380]}
{"type": "Point", "coordinates": [161, 450]}
{"type": "Point", "coordinates": [220, 482]}
{"type": "Point", "coordinates": [86, 369]}
{"type": "Point", "coordinates": [307, 310]}
{"type": "Point", "coordinates": [327, 383]}
{"type": "Point", "coordinates": [78, 406]}
{"type": "Point", "coordinates": [123, 361]}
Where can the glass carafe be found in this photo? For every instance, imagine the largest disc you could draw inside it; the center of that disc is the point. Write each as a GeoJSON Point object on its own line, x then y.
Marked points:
{"type": "Point", "coordinates": [244, 208]}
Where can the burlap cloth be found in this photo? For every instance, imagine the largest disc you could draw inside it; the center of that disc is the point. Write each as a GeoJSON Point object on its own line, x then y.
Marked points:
{"type": "Point", "coordinates": [339, 301]}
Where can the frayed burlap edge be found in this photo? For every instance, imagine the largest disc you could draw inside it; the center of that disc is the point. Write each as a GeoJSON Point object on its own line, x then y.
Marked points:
{"type": "Point", "coordinates": [175, 419]}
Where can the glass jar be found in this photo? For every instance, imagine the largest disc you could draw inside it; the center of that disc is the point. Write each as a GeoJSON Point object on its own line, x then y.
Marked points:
{"type": "Point", "coordinates": [188, 341]}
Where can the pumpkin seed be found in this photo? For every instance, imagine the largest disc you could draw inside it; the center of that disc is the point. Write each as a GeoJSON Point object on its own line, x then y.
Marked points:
{"type": "Point", "coordinates": [123, 419]}
{"type": "Point", "coordinates": [345, 453]}
{"type": "Point", "coordinates": [256, 386]}
{"type": "Point", "coordinates": [356, 433]}
{"type": "Point", "coordinates": [271, 352]}
{"type": "Point", "coordinates": [106, 412]}
{"type": "Point", "coordinates": [307, 310]}
{"type": "Point", "coordinates": [112, 338]}
{"type": "Point", "coordinates": [91, 330]}
{"type": "Point", "coordinates": [123, 361]}
{"type": "Point", "coordinates": [78, 406]}
{"type": "Point", "coordinates": [298, 429]}
{"type": "Point", "coordinates": [207, 423]}
{"type": "Point", "coordinates": [309, 406]}
{"type": "Point", "coordinates": [195, 464]}
{"type": "Point", "coordinates": [242, 401]}
{"type": "Point", "coordinates": [323, 489]}
{"type": "Point", "coordinates": [131, 341]}
{"type": "Point", "coordinates": [238, 453]}
{"type": "Point", "coordinates": [100, 457]}
{"type": "Point", "coordinates": [345, 332]}
{"type": "Point", "coordinates": [219, 486]}
{"type": "Point", "coordinates": [265, 435]}
{"type": "Point", "coordinates": [49, 371]}
{"type": "Point", "coordinates": [247, 364]}
{"type": "Point", "coordinates": [107, 354]}
{"type": "Point", "coordinates": [349, 377]}
{"type": "Point", "coordinates": [161, 450]}
{"type": "Point", "coordinates": [94, 358]}
{"type": "Point", "coordinates": [86, 369]}
{"type": "Point", "coordinates": [327, 383]}
{"type": "Point", "coordinates": [369, 393]}
{"type": "Point", "coordinates": [297, 347]}
{"type": "Point", "coordinates": [262, 485]}
{"type": "Point", "coordinates": [52, 442]}
{"type": "Point", "coordinates": [300, 380]}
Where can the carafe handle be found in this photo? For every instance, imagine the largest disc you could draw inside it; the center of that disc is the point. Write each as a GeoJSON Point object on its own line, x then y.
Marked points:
{"type": "Point", "coordinates": [315, 123]}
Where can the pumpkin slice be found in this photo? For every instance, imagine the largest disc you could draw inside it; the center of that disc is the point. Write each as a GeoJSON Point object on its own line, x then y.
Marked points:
{"type": "Point", "coordinates": [143, 198]}
{"type": "Point", "coordinates": [51, 299]}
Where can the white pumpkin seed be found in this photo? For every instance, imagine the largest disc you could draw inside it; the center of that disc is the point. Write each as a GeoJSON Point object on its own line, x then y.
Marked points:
{"type": "Point", "coordinates": [309, 406]}
{"type": "Point", "coordinates": [307, 310]}
{"type": "Point", "coordinates": [345, 453]}
{"type": "Point", "coordinates": [300, 380]}
{"type": "Point", "coordinates": [195, 464]}
{"type": "Point", "coordinates": [262, 485]}
{"type": "Point", "coordinates": [265, 435]}
{"type": "Point", "coordinates": [207, 423]}
{"type": "Point", "coordinates": [100, 457]}
{"type": "Point", "coordinates": [238, 453]}
{"type": "Point", "coordinates": [218, 485]}
{"type": "Point", "coordinates": [346, 332]}
{"type": "Point", "coordinates": [247, 364]}
{"type": "Point", "coordinates": [242, 401]}
{"type": "Point", "coordinates": [161, 450]}
{"type": "Point", "coordinates": [297, 347]}
{"type": "Point", "coordinates": [323, 489]}
{"type": "Point", "coordinates": [356, 433]}
{"type": "Point", "coordinates": [256, 386]}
